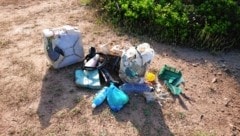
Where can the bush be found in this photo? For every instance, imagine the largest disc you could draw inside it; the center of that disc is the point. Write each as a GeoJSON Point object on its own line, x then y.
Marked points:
{"type": "Point", "coordinates": [203, 24]}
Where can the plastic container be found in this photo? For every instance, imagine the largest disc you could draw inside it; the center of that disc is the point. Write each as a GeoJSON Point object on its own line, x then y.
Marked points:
{"type": "Point", "coordinates": [93, 61]}
{"type": "Point", "coordinates": [63, 46]}
{"type": "Point", "coordinates": [116, 98]}
{"type": "Point", "coordinates": [100, 97]}
{"type": "Point", "coordinates": [149, 96]}
{"type": "Point", "coordinates": [150, 77]}
{"type": "Point", "coordinates": [172, 78]}
{"type": "Point", "coordinates": [134, 62]}
{"type": "Point", "coordinates": [136, 88]}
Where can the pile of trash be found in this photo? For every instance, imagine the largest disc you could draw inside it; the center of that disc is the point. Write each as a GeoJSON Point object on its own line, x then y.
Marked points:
{"type": "Point", "coordinates": [114, 72]}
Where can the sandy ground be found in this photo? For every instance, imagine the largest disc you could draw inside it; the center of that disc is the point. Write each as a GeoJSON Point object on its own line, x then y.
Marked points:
{"type": "Point", "coordinates": [35, 99]}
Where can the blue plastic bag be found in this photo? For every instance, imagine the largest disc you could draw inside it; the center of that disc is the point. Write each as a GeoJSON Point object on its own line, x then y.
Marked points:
{"type": "Point", "coordinates": [88, 78]}
{"type": "Point", "coordinates": [116, 98]}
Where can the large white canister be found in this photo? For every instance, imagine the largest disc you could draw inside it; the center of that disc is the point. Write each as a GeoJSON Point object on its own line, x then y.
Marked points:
{"type": "Point", "coordinates": [63, 46]}
{"type": "Point", "coordinates": [134, 63]}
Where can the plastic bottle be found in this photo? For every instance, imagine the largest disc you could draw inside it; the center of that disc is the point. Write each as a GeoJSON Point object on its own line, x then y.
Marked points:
{"type": "Point", "coordinates": [136, 88]}
{"type": "Point", "coordinates": [93, 61]}
{"type": "Point", "coordinates": [100, 97]}
{"type": "Point", "coordinates": [116, 98]}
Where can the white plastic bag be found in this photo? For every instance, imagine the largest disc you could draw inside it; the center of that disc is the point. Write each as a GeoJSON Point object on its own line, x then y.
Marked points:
{"type": "Point", "coordinates": [134, 63]}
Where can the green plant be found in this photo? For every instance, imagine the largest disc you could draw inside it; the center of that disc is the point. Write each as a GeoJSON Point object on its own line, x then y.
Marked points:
{"type": "Point", "coordinates": [202, 133]}
{"type": "Point", "coordinates": [85, 2]}
{"type": "Point", "coordinates": [4, 43]}
{"type": "Point", "coordinates": [202, 24]}
{"type": "Point", "coordinates": [221, 22]}
{"type": "Point", "coordinates": [181, 115]}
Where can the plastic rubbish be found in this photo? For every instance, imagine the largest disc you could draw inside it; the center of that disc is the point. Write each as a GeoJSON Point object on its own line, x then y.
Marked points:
{"type": "Point", "coordinates": [136, 88]}
{"type": "Point", "coordinates": [109, 49]}
{"type": "Point", "coordinates": [63, 46]}
{"type": "Point", "coordinates": [107, 76]}
{"type": "Point", "coordinates": [149, 96]}
{"type": "Point", "coordinates": [116, 50]}
{"type": "Point", "coordinates": [88, 78]}
{"type": "Point", "coordinates": [100, 97]}
{"type": "Point", "coordinates": [103, 48]}
{"type": "Point", "coordinates": [146, 52]}
{"type": "Point", "coordinates": [134, 63]}
{"type": "Point", "coordinates": [116, 98]}
{"type": "Point", "coordinates": [91, 53]}
{"type": "Point", "coordinates": [150, 77]}
{"type": "Point", "coordinates": [93, 61]}
{"type": "Point", "coordinates": [172, 78]}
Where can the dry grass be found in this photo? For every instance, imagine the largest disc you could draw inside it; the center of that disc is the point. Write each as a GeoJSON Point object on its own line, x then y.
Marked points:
{"type": "Point", "coordinates": [5, 43]}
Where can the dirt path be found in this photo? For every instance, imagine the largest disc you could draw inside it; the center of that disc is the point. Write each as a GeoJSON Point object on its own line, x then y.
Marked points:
{"type": "Point", "coordinates": [38, 100]}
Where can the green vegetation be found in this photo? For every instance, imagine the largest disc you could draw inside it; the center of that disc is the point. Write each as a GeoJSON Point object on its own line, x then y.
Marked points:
{"type": "Point", "coordinates": [84, 2]}
{"type": "Point", "coordinates": [181, 115]}
{"type": "Point", "coordinates": [202, 133]}
{"type": "Point", "coordinates": [4, 43]}
{"type": "Point", "coordinates": [203, 24]}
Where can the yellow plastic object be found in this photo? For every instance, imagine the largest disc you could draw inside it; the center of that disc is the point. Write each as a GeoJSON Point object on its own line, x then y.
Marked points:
{"type": "Point", "coordinates": [150, 77]}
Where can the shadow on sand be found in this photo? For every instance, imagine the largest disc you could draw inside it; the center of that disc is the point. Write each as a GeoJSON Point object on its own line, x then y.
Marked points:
{"type": "Point", "coordinates": [58, 92]}
{"type": "Point", "coordinates": [147, 118]}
